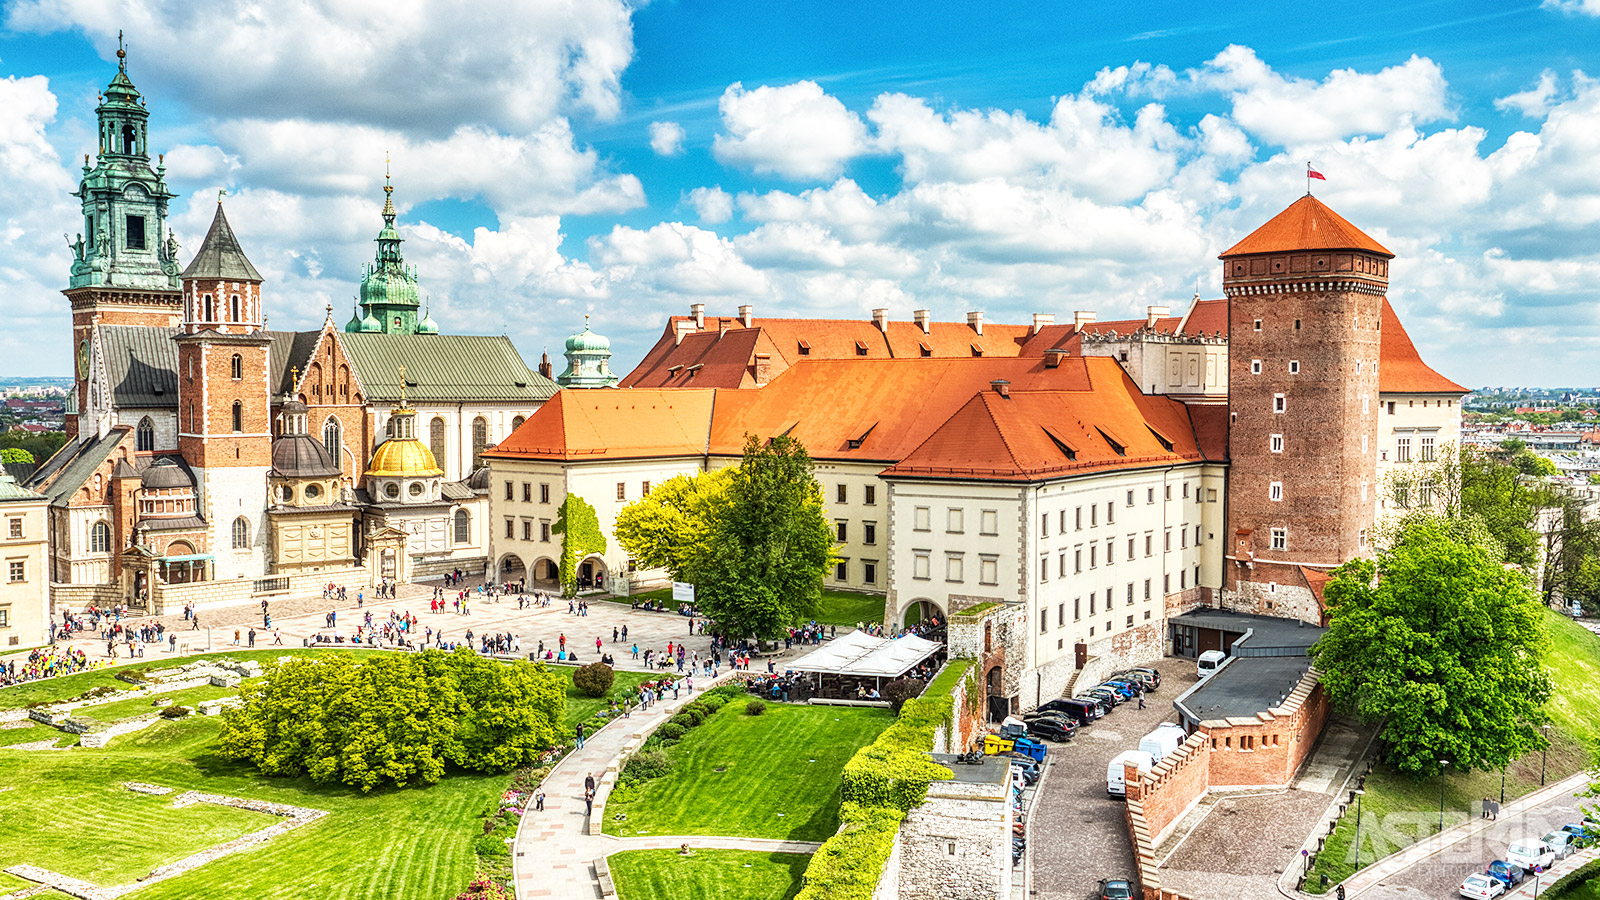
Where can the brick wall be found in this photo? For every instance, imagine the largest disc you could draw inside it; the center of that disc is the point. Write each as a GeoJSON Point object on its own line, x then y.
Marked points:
{"type": "Point", "coordinates": [1176, 783]}
{"type": "Point", "coordinates": [1269, 749]}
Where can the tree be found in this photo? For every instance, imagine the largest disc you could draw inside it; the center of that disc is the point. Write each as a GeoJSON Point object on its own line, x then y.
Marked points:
{"type": "Point", "coordinates": [579, 527]}
{"type": "Point", "coordinates": [762, 569]}
{"type": "Point", "coordinates": [15, 455]}
{"type": "Point", "coordinates": [1442, 645]}
{"type": "Point", "coordinates": [1529, 463]}
{"type": "Point", "coordinates": [1572, 558]}
{"type": "Point", "coordinates": [672, 525]}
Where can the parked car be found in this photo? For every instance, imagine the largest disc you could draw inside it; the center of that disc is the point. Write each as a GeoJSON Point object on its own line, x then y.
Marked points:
{"type": "Point", "coordinates": [1108, 697]}
{"type": "Point", "coordinates": [1509, 873]}
{"type": "Point", "coordinates": [1482, 887]}
{"type": "Point", "coordinates": [1562, 843]}
{"type": "Point", "coordinates": [1582, 834]}
{"type": "Point", "coordinates": [1163, 740]}
{"type": "Point", "coordinates": [1050, 730]}
{"type": "Point", "coordinates": [1145, 679]}
{"type": "Point", "coordinates": [1209, 662]}
{"type": "Point", "coordinates": [1527, 854]}
{"type": "Point", "coordinates": [1062, 719]}
{"type": "Point", "coordinates": [1115, 889]}
{"type": "Point", "coordinates": [1081, 711]}
{"type": "Point", "coordinates": [1116, 777]}
{"type": "Point", "coordinates": [1125, 690]}
{"type": "Point", "coordinates": [1150, 673]}
{"type": "Point", "coordinates": [1100, 703]}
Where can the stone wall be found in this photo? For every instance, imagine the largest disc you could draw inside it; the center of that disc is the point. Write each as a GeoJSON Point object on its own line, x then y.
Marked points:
{"type": "Point", "coordinates": [1285, 599]}
{"type": "Point", "coordinates": [966, 722]}
{"type": "Point", "coordinates": [166, 599]}
{"type": "Point", "coordinates": [78, 597]}
{"type": "Point", "coordinates": [957, 844]}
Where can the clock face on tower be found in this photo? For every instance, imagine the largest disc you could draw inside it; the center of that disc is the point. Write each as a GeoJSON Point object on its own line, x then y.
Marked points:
{"type": "Point", "coordinates": [83, 360]}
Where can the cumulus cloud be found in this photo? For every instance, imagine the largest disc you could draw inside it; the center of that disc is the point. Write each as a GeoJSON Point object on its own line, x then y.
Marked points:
{"type": "Point", "coordinates": [666, 138]}
{"type": "Point", "coordinates": [1535, 101]}
{"type": "Point", "coordinates": [795, 131]}
{"type": "Point", "coordinates": [713, 204]}
{"type": "Point", "coordinates": [1577, 7]}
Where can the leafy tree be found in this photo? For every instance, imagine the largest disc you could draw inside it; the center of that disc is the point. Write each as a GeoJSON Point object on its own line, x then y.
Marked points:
{"type": "Point", "coordinates": [579, 527]}
{"type": "Point", "coordinates": [40, 446]}
{"type": "Point", "coordinates": [1442, 645]}
{"type": "Point", "coordinates": [1492, 491]}
{"type": "Point", "coordinates": [1572, 558]}
{"type": "Point", "coordinates": [672, 525]}
{"type": "Point", "coordinates": [594, 679]}
{"type": "Point", "coordinates": [1529, 463]}
{"type": "Point", "coordinates": [762, 570]}
{"type": "Point", "coordinates": [15, 455]}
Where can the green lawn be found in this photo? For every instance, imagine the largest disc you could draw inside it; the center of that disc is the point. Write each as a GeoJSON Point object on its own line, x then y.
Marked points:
{"type": "Point", "coordinates": [770, 776]}
{"type": "Point", "coordinates": [1397, 810]}
{"type": "Point", "coordinates": [839, 608]}
{"type": "Point", "coordinates": [732, 874]}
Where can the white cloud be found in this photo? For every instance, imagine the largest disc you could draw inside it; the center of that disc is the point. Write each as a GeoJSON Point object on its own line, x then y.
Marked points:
{"type": "Point", "coordinates": [1535, 101]}
{"type": "Point", "coordinates": [795, 131]}
{"type": "Point", "coordinates": [1578, 7]}
{"type": "Point", "coordinates": [666, 138]}
{"type": "Point", "coordinates": [713, 204]}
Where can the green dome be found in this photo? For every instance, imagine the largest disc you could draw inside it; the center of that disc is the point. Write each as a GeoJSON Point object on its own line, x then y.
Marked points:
{"type": "Point", "coordinates": [354, 325]}
{"type": "Point", "coordinates": [587, 341]}
{"type": "Point", "coordinates": [390, 284]}
{"type": "Point", "coordinates": [427, 325]}
{"type": "Point", "coordinates": [370, 324]}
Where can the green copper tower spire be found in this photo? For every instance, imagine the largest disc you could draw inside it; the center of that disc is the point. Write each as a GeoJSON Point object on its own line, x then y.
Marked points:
{"type": "Point", "coordinates": [389, 294]}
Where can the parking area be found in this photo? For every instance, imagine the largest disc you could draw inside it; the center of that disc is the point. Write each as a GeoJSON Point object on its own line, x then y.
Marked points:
{"type": "Point", "coordinates": [1079, 834]}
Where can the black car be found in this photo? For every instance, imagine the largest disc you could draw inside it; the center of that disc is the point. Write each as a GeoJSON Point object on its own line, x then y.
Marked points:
{"type": "Point", "coordinates": [1056, 718]}
{"type": "Point", "coordinates": [1115, 889]}
{"type": "Point", "coordinates": [1050, 730]}
{"type": "Point", "coordinates": [1082, 711]}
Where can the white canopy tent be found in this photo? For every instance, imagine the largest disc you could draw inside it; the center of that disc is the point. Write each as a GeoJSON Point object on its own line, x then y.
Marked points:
{"type": "Point", "coordinates": [862, 655]}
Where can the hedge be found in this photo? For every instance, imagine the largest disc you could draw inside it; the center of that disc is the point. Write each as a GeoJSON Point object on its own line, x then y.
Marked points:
{"type": "Point", "coordinates": [1570, 881]}
{"type": "Point", "coordinates": [849, 864]}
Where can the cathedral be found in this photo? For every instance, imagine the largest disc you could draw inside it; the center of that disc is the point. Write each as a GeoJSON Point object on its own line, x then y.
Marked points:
{"type": "Point", "coordinates": [212, 460]}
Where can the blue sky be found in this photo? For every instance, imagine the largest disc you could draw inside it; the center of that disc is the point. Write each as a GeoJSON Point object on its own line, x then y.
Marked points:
{"type": "Point", "coordinates": [812, 159]}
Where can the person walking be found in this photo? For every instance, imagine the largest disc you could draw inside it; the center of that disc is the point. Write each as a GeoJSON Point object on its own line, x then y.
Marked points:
{"type": "Point", "coordinates": [538, 799]}
{"type": "Point", "coordinates": [252, 636]}
{"type": "Point", "coordinates": [588, 802]}
{"type": "Point", "coordinates": [588, 783]}
{"type": "Point", "coordinates": [578, 732]}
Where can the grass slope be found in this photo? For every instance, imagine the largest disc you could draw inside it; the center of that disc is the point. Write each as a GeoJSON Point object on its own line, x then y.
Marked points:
{"type": "Point", "coordinates": [779, 775]}
{"type": "Point", "coordinates": [741, 874]}
{"type": "Point", "coordinates": [1399, 810]}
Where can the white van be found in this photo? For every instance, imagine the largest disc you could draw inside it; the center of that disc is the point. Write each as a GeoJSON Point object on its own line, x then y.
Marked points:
{"type": "Point", "coordinates": [1209, 662]}
{"type": "Point", "coordinates": [1163, 740]}
{"type": "Point", "coordinates": [1116, 778]}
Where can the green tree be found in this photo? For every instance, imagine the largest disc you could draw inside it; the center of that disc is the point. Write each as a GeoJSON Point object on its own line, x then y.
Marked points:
{"type": "Point", "coordinates": [672, 525]}
{"type": "Point", "coordinates": [762, 570]}
{"type": "Point", "coordinates": [1572, 558]}
{"type": "Point", "coordinates": [1529, 463]}
{"type": "Point", "coordinates": [579, 527]}
{"type": "Point", "coordinates": [1442, 645]}
{"type": "Point", "coordinates": [15, 455]}
{"type": "Point", "coordinates": [1492, 491]}
{"type": "Point", "coordinates": [41, 446]}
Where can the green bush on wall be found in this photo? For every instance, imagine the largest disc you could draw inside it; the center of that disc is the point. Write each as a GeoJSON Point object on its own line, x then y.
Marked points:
{"type": "Point", "coordinates": [671, 731]}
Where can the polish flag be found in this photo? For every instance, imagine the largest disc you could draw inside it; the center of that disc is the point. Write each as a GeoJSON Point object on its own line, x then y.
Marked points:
{"type": "Point", "coordinates": [1313, 173]}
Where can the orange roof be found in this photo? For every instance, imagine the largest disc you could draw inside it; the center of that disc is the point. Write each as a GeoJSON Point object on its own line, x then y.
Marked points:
{"type": "Point", "coordinates": [1400, 368]}
{"type": "Point", "coordinates": [612, 424]}
{"type": "Point", "coordinates": [1306, 225]}
{"type": "Point", "coordinates": [1207, 317]}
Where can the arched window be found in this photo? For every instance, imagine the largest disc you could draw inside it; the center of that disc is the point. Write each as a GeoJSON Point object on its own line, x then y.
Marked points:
{"type": "Point", "coordinates": [237, 367]}
{"type": "Point", "coordinates": [517, 422]}
{"type": "Point", "coordinates": [100, 538]}
{"type": "Point", "coordinates": [241, 533]}
{"type": "Point", "coordinates": [463, 527]}
{"type": "Point", "coordinates": [238, 416]}
{"type": "Point", "coordinates": [436, 440]}
{"type": "Point", "coordinates": [210, 315]}
{"type": "Point", "coordinates": [233, 309]}
{"type": "Point", "coordinates": [480, 438]}
{"type": "Point", "coordinates": [330, 438]}
{"type": "Point", "coordinates": [145, 436]}
{"type": "Point", "coordinates": [130, 145]}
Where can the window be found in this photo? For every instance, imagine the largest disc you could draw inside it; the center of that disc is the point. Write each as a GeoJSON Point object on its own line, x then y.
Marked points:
{"type": "Point", "coordinates": [1044, 620]}
{"type": "Point", "coordinates": [1111, 513]}
{"type": "Point", "coordinates": [1255, 367]}
{"type": "Point", "coordinates": [1183, 580]}
{"type": "Point", "coordinates": [241, 533]}
{"type": "Point", "coordinates": [842, 494]}
{"type": "Point", "coordinates": [1391, 407]}
{"type": "Point", "coordinates": [15, 529]}
{"type": "Point", "coordinates": [527, 492]}
{"type": "Point", "coordinates": [1061, 615]}
{"type": "Point", "coordinates": [480, 438]}
{"type": "Point", "coordinates": [209, 316]}
{"type": "Point", "coordinates": [145, 437]}
{"type": "Point", "coordinates": [989, 522]}
{"type": "Point", "coordinates": [869, 495]}
{"type": "Point", "coordinates": [1275, 490]}
{"type": "Point", "coordinates": [1427, 449]}
{"type": "Point", "coordinates": [1130, 621]}
{"type": "Point", "coordinates": [544, 493]}
{"type": "Point", "coordinates": [1044, 524]}
{"type": "Point", "coordinates": [989, 570]}
{"type": "Point", "coordinates": [953, 523]}
{"type": "Point", "coordinates": [16, 570]}
{"type": "Point", "coordinates": [238, 416]}
{"type": "Point", "coordinates": [1402, 450]}
{"type": "Point", "coordinates": [920, 566]}
{"type": "Point", "coordinates": [1166, 583]}
{"type": "Point", "coordinates": [510, 525]}
{"type": "Point", "coordinates": [1425, 493]}
{"type": "Point", "coordinates": [1092, 598]}
{"type": "Point", "coordinates": [544, 531]}
{"type": "Point", "coordinates": [1280, 538]}
{"type": "Point", "coordinates": [1166, 541]}
{"type": "Point", "coordinates": [1077, 608]}
{"type": "Point", "coordinates": [842, 531]}
{"type": "Point", "coordinates": [1094, 516]}
{"type": "Point", "coordinates": [869, 572]}
{"type": "Point", "coordinates": [1130, 546]}
{"type": "Point", "coordinates": [5, 616]}
{"type": "Point", "coordinates": [622, 490]}
{"type": "Point", "coordinates": [1077, 560]}
{"type": "Point", "coordinates": [1258, 324]}
{"type": "Point", "coordinates": [1111, 553]}
{"type": "Point", "coordinates": [841, 570]}
{"type": "Point", "coordinates": [463, 527]}
{"type": "Point", "coordinates": [1294, 367]}
{"type": "Point", "coordinates": [920, 519]}
{"type": "Point", "coordinates": [516, 422]}
{"type": "Point", "coordinates": [1078, 519]}
{"type": "Point", "coordinates": [869, 533]}
{"type": "Point", "coordinates": [1094, 553]}
{"type": "Point", "coordinates": [1366, 404]}
{"type": "Point", "coordinates": [1167, 492]}
{"type": "Point", "coordinates": [1362, 538]}
{"type": "Point", "coordinates": [1147, 589]}
{"type": "Point", "coordinates": [100, 538]}
{"type": "Point", "coordinates": [135, 233]}
{"type": "Point", "coordinates": [1130, 498]}
{"type": "Point", "coordinates": [1061, 567]}
{"type": "Point", "coordinates": [1044, 569]}
{"type": "Point", "coordinates": [1277, 443]}
{"type": "Point", "coordinates": [510, 492]}
{"type": "Point", "coordinates": [1149, 495]}
{"type": "Point", "coordinates": [1279, 403]}
{"type": "Point", "coordinates": [330, 438]}
{"type": "Point", "coordinates": [954, 567]}
{"type": "Point", "coordinates": [1197, 535]}
{"type": "Point", "coordinates": [436, 439]}
{"type": "Point", "coordinates": [233, 309]}
{"type": "Point", "coordinates": [527, 529]}
{"type": "Point", "coordinates": [644, 489]}
{"type": "Point", "coordinates": [1148, 540]}
{"type": "Point", "coordinates": [1183, 537]}
{"type": "Point", "coordinates": [1402, 496]}
{"type": "Point", "coordinates": [236, 368]}
{"type": "Point", "coordinates": [1130, 593]}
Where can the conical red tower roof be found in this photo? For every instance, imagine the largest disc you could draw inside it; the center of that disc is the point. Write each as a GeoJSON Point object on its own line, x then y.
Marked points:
{"type": "Point", "coordinates": [1306, 225]}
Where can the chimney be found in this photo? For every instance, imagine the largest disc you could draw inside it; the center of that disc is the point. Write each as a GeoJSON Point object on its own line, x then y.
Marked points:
{"type": "Point", "coordinates": [1001, 387]}
{"type": "Point", "coordinates": [1053, 357]}
{"type": "Point", "coordinates": [1041, 321]}
{"type": "Point", "coordinates": [747, 315]}
{"type": "Point", "coordinates": [922, 317]}
{"type": "Point", "coordinates": [698, 310]}
{"type": "Point", "coordinates": [880, 318]}
{"type": "Point", "coordinates": [1082, 317]}
{"type": "Point", "coordinates": [763, 368]}
{"type": "Point", "coordinates": [1152, 313]}
{"type": "Point", "coordinates": [680, 327]}
{"type": "Point", "coordinates": [975, 320]}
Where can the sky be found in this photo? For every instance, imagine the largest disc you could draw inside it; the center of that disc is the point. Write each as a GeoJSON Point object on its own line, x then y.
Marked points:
{"type": "Point", "coordinates": [554, 159]}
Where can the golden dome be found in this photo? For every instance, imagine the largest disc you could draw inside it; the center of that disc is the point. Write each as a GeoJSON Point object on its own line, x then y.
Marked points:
{"type": "Point", "coordinates": [402, 458]}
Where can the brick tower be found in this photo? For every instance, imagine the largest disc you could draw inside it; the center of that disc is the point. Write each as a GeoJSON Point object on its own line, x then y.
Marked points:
{"type": "Point", "coordinates": [1305, 299]}
{"type": "Point", "coordinates": [124, 265]}
{"type": "Point", "coordinates": [224, 410]}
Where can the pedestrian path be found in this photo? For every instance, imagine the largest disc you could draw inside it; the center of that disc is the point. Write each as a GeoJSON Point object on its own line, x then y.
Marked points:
{"type": "Point", "coordinates": [554, 852]}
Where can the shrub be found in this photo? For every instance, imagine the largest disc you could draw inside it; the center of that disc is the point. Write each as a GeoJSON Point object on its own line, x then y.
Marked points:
{"type": "Point", "coordinates": [755, 707]}
{"type": "Point", "coordinates": [898, 691]}
{"type": "Point", "coordinates": [724, 690]}
{"type": "Point", "coordinates": [695, 716]}
{"type": "Point", "coordinates": [671, 731]}
{"type": "Point", "coordinates": [173, 712]}
{"type": "Point", "coordinates": [684, 720]}
{"type": "Point", "coordinates": [702, 709]}
{"type": "Point", "coordinates": [594, 679]}
{"type": "Point", "coordinates": [624, 792]}
{"type": "Point", "coordinates": [713, 702]}
{"type": "Point", "coordinates": [647, 764]}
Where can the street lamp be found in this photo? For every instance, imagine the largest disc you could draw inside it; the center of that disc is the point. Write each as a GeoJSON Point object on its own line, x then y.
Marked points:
{"type": "Point", "coordinates": [1443, 764]}
{"type": "Point", "coordinates": [1359, 794]}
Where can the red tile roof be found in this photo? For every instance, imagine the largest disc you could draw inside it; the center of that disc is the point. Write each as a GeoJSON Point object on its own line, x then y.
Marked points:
{"type": "Point", "coordinates": [1306, 225]}
{"type": "Point", "coordinates": [1206, 317]}
{"type": "Point", "coordinates": [1400, 367]}
{"type": "Point", "coordinates": [612, 424]}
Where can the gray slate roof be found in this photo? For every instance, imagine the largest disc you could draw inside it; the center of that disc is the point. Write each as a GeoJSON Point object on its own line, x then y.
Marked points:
{"type": "Point", "coordinates": [444, 367]}
{"type": "Point", "coordinates": [142, 363]}
{"type": "Point", "coordinates": [76, 461]}
{"type": "Point", "coordinates": [220, 255]}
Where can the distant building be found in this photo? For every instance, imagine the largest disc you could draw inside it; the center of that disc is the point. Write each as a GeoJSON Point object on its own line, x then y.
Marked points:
{"type": "Point", "coordinates": [25, 590]}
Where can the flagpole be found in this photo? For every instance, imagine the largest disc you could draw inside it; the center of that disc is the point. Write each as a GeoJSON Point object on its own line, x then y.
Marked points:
{"type": "Point", "coordinates": [1308, 179]}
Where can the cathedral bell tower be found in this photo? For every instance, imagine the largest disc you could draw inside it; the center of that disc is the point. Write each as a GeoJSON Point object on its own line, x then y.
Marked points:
{"type": "Point", "coordinates": [124, 261]}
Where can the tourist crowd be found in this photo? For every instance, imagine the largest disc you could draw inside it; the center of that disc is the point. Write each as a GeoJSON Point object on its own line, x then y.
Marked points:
{"type": "Point", "coordinates": [47, 662]}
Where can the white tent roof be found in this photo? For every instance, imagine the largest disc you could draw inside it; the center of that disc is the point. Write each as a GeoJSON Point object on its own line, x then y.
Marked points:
{"type": "Point", "coordinates": [859, 653]}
